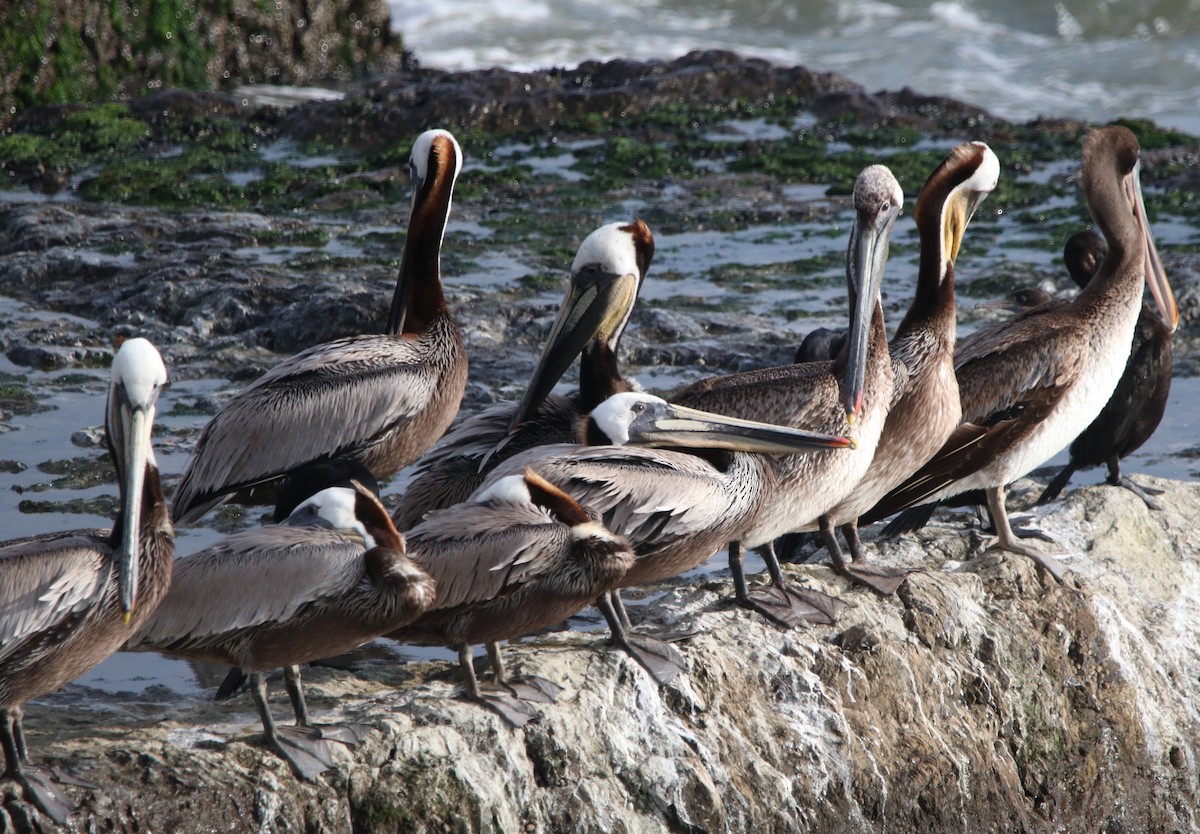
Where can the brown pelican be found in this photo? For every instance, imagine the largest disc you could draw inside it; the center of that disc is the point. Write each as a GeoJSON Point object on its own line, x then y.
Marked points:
{"type": "Point", "coordinates": [520, 556]}
{"type": "Point", "coordinates": [378, 399]}
{"type": "Point", "coordinates": [69, 600]}
{"type": "Point", "coordinates": [605, 279]}
{"type": "Point", "coordinates": [280, 596]}
{"type": "Point", "coordinates": [925, 407]}
{"type": "Point", "coordinates": [676, 507]}
{"type": "Point", "coordinates": [1140, 398]}
{"type": "Point", "coordinates": [848, 396]}
{"type": "Point", "coordinates": [1031, 384]}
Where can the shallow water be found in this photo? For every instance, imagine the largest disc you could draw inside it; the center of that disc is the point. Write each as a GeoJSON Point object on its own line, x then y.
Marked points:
{"type": "Point", "coordinates": [1092, 59]}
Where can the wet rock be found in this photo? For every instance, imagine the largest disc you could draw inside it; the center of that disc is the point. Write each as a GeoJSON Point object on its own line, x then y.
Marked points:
{"type": "Point", "coordinates": [985, 698]}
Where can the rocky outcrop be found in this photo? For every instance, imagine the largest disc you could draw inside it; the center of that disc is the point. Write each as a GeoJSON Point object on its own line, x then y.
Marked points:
{"type": "Point", "coordinates": [64, 51]}
{"type": "Point", "coordinates": [982, 698]}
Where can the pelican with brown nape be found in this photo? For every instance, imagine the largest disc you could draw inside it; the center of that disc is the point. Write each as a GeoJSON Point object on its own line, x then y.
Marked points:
{"type": "Point", "coordinates": [606, 276]}
{"type": "Point", "coordinates": [1031, 384]}
{"type": "Point", "coordinates": [377, 399]}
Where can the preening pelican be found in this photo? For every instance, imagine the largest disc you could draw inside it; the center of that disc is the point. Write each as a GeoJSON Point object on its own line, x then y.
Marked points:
{"type": "Point", "coordinates": [606, 276]}
{"type": "Point", "coordinates": [1031, 384]}
{"type": "Point", "coordinates": [334, 577]}
{"type": "Point", "coordinates": [380, 400]}
{"type": "Point", "coordinates": [520, 556]}
{"type": "Point", "coordinates": [848, 396]}
{"type": "Point", "coordinates": [69, 600]}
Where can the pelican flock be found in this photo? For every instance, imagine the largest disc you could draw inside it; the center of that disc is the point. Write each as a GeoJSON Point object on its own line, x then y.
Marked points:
{"type": "Point", "coordinates": [529, 512]}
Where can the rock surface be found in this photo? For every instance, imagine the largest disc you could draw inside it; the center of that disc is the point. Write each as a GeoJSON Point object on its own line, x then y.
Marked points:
{"type": "Point", "coordinates": [67, 51]}
{"type": "Point", "coordinates": [982, 698]}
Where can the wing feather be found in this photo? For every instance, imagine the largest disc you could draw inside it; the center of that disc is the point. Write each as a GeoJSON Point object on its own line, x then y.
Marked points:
{"type": "Point", "coordinates": [48, 580]}
{"type": "Point", "coordinates": [251, 578]}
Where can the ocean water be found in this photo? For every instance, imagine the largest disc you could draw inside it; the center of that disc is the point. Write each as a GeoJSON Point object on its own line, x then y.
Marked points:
{"type": "Point", "coordinates": [1092, 59]}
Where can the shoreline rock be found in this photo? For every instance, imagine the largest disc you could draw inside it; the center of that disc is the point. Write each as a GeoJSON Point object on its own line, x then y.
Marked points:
{"type": "Point", "coordinates": [983, 698]}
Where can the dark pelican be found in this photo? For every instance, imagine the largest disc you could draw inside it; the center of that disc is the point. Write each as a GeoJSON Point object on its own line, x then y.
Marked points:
{"type": "Point", "coordinates": [520, 556]}
{"type": "Point", "coordinates": [847, 396]}
{"type": "Point", "coordinates": [1140, 399]}
{"type": "Point", "coordinates": [280, 596]}
{"type": "Point", "coordinates": [71, 599]}
{"type": "Point", "coordinates": [675, 503]}
{"type": "Point", "coordinates": [380, 400]}
{"type": "Point", "coordinates": [605, 279]}
{"type": "Point", "coordinates": [1031, 384]}
{"type": "Point", "coordinates": [925, 407]}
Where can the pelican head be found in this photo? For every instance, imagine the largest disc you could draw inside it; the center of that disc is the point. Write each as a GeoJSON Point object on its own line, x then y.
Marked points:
{"type": "Point", "coordinates": [138, 375]}
{"type": "Point", "coordinates": [1119, 144]}
{"type": "Point", "coordinates": [605, 279]}
{"type": "Point", "coordinates": [334, 508]}
{"type": "Point", "coordinates": [877, 203]}
{"type": "Point", "coordinates": [642, 419]}
{"type": "Point", "coordinates": [950, 196]}
{"type": "Point", "coordinates": [435, 155]}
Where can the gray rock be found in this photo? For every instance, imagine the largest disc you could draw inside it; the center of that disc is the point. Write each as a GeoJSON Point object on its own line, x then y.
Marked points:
{"type": "Point", "coordinates": [982, 698]}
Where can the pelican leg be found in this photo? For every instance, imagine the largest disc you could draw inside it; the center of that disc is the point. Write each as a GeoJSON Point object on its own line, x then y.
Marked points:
{"type": "Point", "coordinates": [511, 709]}
{"type": "Point", "coordinates": [301, 747]}
{"type": "Point", "coordinates": [1115, 478]}
{"type": "Point", "coordinates": [773, 603]}
{"type": "Point", "coordinates": [1007, 540]}
{"type": "Point", "coordinates": [619, 607]}
{"type": "Point", "coordinates": [880, 579]}
{"type": "Point", "coordinates": [38, 785]}
{"type": "Point", "coordinates": [806, 604]}
{"type": "Point", "coordinates": [662, 660]}
{"type": "Point", "coordinates": [291, 681]}
{"type": "Point", "coordinates": [883, 581]}
{"type": "Point", "coordinates": [530, 688]}
{"type": "Point", "coordinates": [349, 734]}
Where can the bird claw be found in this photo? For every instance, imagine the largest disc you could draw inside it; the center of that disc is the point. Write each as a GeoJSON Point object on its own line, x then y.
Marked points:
{"type": "Point", "coordinates": [303, 748]}
{"type": "Point", "coordinates": [791, 607]}
{"type": "Point", "coordinates": [662, 660]}
{"type": "Point", "coordinates": [45, 792]}
{"type": "Point", "coordinates": [513, 710]}
{"type": "Point", "coordinates": [533, 689]}
{"type": "Point", "coordinates": [882, 580]}
{"type": "Point", "coordinates": [1056, 568]}
{"type": "Point", "coordinates": [347, 734]}
{"type": "Point", "coordinates": [1141, 492]}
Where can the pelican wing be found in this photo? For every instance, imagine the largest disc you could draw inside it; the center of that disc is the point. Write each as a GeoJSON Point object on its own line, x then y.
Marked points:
{"type": "Point", "coordinates": [1003, 400]}
{"type": "Point", "coordinates": [49, 580]}
{"type": "Point", "coordinates": [480, 551]}
{"type": "Point", "coordinates": [642, 494]}
{"type": "Point", "coordinates": [248, 579]}
{"type": "Point", "coordinates": [801, 396]}
{"type": "Point", "coordinates": [454, 468]}
{"type": "Point", "coordinates": [332, 400]}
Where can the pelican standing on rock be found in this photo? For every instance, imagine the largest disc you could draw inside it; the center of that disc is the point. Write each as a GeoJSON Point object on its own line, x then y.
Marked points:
{"type": "Point", "coordinates": [69, 600]}
{"type": "Point", "coordinates": [925, 408]}
{"type": "Point", "coordinates": [1031, 384]}
{"type": "Point", "coordinates": [848, 396]}
{"type": "Point", "coordinates": [333, 577]}
{"type": "Point", "coordinates": [1139, 401]}
{"type": "Point", "coordinates": [606, 276]}
{"type": "Point", "coordinates": [380, 400]}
